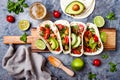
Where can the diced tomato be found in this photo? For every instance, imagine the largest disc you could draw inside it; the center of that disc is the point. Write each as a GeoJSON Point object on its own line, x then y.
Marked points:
{"type": "Point", "coordinates": [46, 36]}
{"type": "Point", "coordinates": [60, 26]}
{"type": "Point", "coordinates": [81, 27]}
{"type": "Point", "coordinates": [86, 33]}
{"type": "Point", "coordinates": [58, 49]}
{"type": "Point", "coordinates": [47, 30]}
{"type": "Point", "coordinates": [66, 40]}
{"type": "Point", "coordinates": [95, 38]}
{"type": "Point", "coordinates": [42, 28]}
{"type": "Point", "coordinates": [87, 49]}
{"type": "Point", "coordinates": [75, 51]}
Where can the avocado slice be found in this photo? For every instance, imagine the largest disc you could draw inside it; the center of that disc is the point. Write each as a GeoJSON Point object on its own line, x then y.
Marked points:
{"type": "Point", "coordinates": [75, 8]}
{"type": "Point", "coordinates": [74, 39]}
{"type": "Point", "coordinates": [54, 43]}
{"type": "Point", "coordinates": [77, 43]}
{"type": "Point", "coordinates": [92, 44]}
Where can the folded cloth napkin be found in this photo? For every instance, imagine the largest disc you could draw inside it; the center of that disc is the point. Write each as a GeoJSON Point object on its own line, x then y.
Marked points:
{"type": "Point", "coordinates": [24, 64]}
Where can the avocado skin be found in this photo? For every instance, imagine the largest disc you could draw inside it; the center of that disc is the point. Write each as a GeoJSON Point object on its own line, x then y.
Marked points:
{"type": "Point", "coordinates": [69, 10]}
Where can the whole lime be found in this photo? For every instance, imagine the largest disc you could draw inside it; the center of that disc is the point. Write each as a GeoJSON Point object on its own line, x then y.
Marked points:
{"type": "Point", "coordinates": [77, 64]}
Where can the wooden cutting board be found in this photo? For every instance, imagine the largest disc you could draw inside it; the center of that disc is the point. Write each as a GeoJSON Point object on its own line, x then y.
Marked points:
{"type": "Point", "coordinates": [109, 45]}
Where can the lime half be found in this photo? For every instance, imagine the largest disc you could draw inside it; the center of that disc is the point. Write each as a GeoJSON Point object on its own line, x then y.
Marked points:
{"type": "Point", "coordinates": [24, 25]}
{"type": "Point", "coordinates": [40, 44]}
{"type": "Point", "coordinates": [99, 21]}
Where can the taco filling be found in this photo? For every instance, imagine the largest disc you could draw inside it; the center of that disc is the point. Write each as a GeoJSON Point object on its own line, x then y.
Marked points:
{"type": "Point", "coordinates": [91, 40]}
{"type": "Point", "coordinates": [76, 38]}
{"type": "Point", "coordinates": [47, 33]}
{"type": "Point", "coordinates": [64, 34]}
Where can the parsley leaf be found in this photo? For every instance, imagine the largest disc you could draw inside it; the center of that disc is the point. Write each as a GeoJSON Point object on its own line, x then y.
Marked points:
{"type": "Point", "coordinates": [91, 76]}
{"type": "Point", "coordinates": [112, 67]}
{"type": "Point", "coordinates": [25, 5]}
{"type": "Point", "coordinates": [16, 7]}
{"type": "Point", "coordinates": [105, 56]}
{"type": "Point", "coordinates": [23, 37]}
{"type": "Point", "coordinates": [110, 16]}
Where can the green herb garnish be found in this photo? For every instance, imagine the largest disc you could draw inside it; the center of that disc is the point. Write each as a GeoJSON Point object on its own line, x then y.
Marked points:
{"type": "Point", "coordinates": [112, 67]}
{"type": "Point", "coordinates": [47, 25]}
{"type": "Point", "coordinates": [92, 30]}
{"type": "Point", "coordinates": [16, 7]}
{"type": "Point", "coordinates": [23, 37]}
{"type": "Point", "coordinates": [91, 76]}
{"type": "Point", "coordinates": [105, 56]}
{"type": "Point", "coordinates": [110, 16]}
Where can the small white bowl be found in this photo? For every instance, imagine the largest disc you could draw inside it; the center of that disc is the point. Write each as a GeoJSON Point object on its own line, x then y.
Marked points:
{"type": "Point", "coordinates": [89, 5]}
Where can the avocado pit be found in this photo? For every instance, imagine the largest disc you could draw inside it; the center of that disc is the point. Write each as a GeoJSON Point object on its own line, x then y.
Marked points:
{"type": "Point", "coordinates": [75, 7]}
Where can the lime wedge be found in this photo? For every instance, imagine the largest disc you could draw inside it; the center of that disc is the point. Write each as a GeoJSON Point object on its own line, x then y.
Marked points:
{"type": "Point", "coordinates": [23, 25]}
{"type": "Point", "coordinates": [103, 37]}
{"type": "Point", "coordinates": [99, 21]}
{"type": "Point", "coordinates": [40, 44]}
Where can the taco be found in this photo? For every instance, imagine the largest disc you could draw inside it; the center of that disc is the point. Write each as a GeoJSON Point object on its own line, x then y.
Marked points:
{"type": "Point", "coordinates": [50, 35]}
{"type": "Point", "coordinates": [65, 32]}
{"type": "Point", "coordinates": [77, 31]}
{"type": "Point", "coordinates": [92, 42]}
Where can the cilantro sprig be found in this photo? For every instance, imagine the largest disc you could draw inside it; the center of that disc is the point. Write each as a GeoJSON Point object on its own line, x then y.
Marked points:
{"type": "Point", "coordinates": [105, 56]}
{"type": "Point", "coordinates": [91, 76]}
{"type": "Point", "coordinates": [16, 7]}
{"type": "Point", "coordinates": [113, 66]}
{"type": "Point", "coordinates": [110, 16]}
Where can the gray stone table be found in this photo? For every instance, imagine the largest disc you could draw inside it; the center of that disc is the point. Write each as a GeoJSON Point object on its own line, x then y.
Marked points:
{"type": "Point", "coordinates": [102, 8]}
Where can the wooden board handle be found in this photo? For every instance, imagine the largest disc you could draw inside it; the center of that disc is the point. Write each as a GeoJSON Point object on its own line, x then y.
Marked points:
{"type": "Point", "coordinates": [67, 70]}
{"type": "Point", "coordinates": [16, 40]}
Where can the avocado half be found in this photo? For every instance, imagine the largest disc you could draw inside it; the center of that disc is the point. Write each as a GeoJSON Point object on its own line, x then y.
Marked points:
{"type": "Point", "coordinates": [69, 8]}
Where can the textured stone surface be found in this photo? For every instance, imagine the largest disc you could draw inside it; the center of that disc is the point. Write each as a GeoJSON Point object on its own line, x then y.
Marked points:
{"type": "Point", "coordinates": [102, 8]}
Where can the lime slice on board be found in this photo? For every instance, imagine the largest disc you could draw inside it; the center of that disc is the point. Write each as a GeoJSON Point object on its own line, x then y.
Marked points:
{"type": "Point", "coordinates": [23, 25]}
{"type": "Point", "coordinates": [40, 44]}
{"type": "Point", "coordinates": [99, 21]}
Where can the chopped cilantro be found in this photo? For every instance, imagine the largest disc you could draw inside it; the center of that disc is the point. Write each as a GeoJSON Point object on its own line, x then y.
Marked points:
{"type": "Point", "coordinates": [112, 67]}
{"type": "Point", "coordinates": [47, 25]}
{"type": "Point", "coordinates": [110, 16]}
{"type": "Point", "coordinates": [91, 76]}
{"type": "Point", "coordinates": [105, 56]}
{"type": "Point", "coordinates": [23, 37]}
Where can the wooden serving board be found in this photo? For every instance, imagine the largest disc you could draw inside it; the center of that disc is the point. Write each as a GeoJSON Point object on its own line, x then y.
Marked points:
{"type": "Point", "coordinates": [109, 45]}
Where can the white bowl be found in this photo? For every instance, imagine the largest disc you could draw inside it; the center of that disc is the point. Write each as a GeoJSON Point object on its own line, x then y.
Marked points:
{"type": "Point", "coordinates": [89, 5]}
